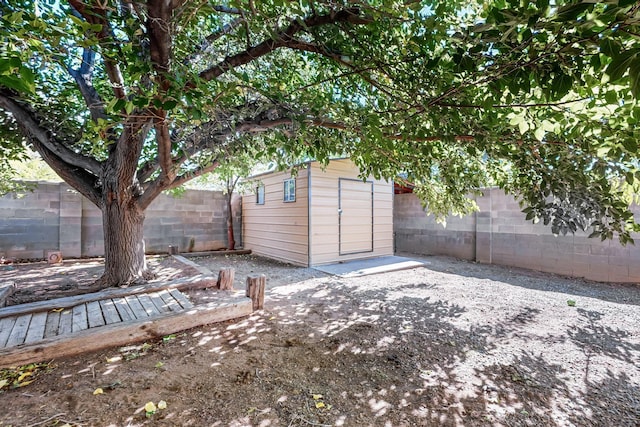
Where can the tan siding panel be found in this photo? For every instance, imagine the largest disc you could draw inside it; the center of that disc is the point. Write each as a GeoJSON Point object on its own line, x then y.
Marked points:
{"type": "Point", "coordinates": [277, 229]}
{"type": "Point", "coordinates": [324, 213]}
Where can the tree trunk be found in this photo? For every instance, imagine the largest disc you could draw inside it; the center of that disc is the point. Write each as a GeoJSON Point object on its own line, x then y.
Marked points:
{"type": "Point", "coordinates": [231, 245]}
{"type": "Point", "coordinates": [124, 258]}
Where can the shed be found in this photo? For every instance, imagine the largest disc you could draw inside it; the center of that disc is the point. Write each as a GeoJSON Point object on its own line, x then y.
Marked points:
{"type": "Point", "coordinates": [319, 215]}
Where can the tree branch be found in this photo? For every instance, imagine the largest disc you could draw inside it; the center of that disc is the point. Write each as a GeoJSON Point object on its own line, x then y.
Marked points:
{"type": "Point", "coordinates": [206, 43]}
{"type": "Point", "coordinates": [98, 15]}
{"type": "Point", "coordinates": [32, 130]}
{"type": "Point", "coordinates": [281, 39]}
{"type": "Point", "coordinates": [83, 77]}
{"type": "Point", "coordinates": [80, 179]}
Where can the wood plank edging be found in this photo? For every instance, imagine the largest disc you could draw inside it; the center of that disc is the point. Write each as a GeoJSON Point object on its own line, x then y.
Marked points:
{"type": "Point", "coordinates": [200, 281]}
{"type": "Point", "coordinates": [6, 290]}
{"type": "Point", "coordinates": [120, 334]}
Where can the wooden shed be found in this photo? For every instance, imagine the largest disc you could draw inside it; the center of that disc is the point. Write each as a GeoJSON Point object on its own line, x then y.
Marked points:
{"type": "Point", "coordinates": [318, 216]}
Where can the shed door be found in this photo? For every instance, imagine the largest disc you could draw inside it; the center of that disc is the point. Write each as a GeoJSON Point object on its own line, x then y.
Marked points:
{"type": "Point", "coordinates": [355, 216]}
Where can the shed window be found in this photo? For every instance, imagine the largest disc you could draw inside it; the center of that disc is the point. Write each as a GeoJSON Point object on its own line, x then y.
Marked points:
{"type": "Point", "coordinates": [260, 195]}
{"type": "Point", "coordinates": [290, 190]}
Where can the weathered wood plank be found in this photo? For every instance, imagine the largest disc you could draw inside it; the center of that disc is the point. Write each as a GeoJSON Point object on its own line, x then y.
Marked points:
{"type": "Point", "coordinates": [255, 290]}
{"type": "Point", "coordinates": [124, 310]}
{"type": "Point", "coordinates": [66, 322]}
{"type": "Point", "coordinates": [124, 333]}
{"type": "Point", "coordinates": [80, 322]}
{"type": "Point", "coordinates": [138, 310]}
{"type": "Point", "coordinates": [6, 325]}
{"type": "Point", "coordinates": [94, 314]}
{"type": "Point", "coordinates": [196, 282]}
{"type": "Point", "coordinates": [6, 290]}
{"type": "Point", "coordinates": [109, 311]}
{"type": "Point", "coordinates": [19, 331]}
{"type": "Point", "coordinates": [181, 298]}
{"type": "Point", "coordinates": [36, 327]}
{"type": "Point", "coordinates": [159, 302]}
{"type": "Point", "coordinates": [148, 305]}
{"type": "Point", "coordinates": [51, 328]}
{"type": "Point", "coordinates": [169, 300]}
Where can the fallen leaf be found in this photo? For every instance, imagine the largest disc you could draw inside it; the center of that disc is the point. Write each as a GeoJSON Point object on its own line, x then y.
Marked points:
{"type": "Point", "coordinates": [571, 303]}
{"type": "Point", "coordinates": [317, 396]}
{"type": "Point", "coordinates": [320, 405]}
{"type": "Point", "coordinates": [113, 359]}
{"type": "Point", "coordinates": [24, 383]}
{"type": "Point", "coordinates": [57, 310]}
{"type": "Point", "coordinates": [150, 408]}
{"type": "Point", "coordinates": [3, 383]}
{"type": "Point", "coordinates": [98, 391]}
{"type": "Point", "coordinates": [162, 405]}
{"type": "Point", "coordinates": [25, 375]}
{"type": "Point", "coordinates": [159, 365]}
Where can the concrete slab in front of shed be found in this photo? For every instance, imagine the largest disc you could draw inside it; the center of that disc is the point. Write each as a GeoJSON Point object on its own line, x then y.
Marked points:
{"type": "Point", "coordinates": [365, 267]}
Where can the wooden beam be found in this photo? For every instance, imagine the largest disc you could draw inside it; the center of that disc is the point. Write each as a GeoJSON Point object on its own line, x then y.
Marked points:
{"type": "Point", "coordinates": [6, 290]}
{"type": "Point", "coordinates": [197, 282]}
{"type": "Point", "coordinates": [255, 290]}
{"type": "Point", "coordinates": [225, 279]}
{"type": "Point", "coordinates": [118, 334]}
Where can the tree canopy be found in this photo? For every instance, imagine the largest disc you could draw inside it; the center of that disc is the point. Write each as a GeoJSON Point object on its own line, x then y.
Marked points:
{"type": "Point", "coordinates": [125, 99]}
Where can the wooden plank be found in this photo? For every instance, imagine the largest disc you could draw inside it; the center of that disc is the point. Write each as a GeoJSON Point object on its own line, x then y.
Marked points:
{"type": "Point", "coordinates": [94, 314]}
{"type": "Point", "coordinates": [148, 305]}
{"type": "Point", "coordinates": [36, 327]}
{"type": "Point", "coordinates": [196, 282]}
{"type": "Point", "coordinates": [124, 310]}
{"type": "Point", "coordinates": [6, 325]}
{"type": "Point", "coordinates": [51, 328]}
{"type": "Point", "coordinates": [124, 333]}
{"type": "Point", "coordinates": [159, 302]}
{"type": "Point", "coordinates": [138, 310]}
{"type": "Point", "coordinates": [169, 300]}
{"type": "Point", "coordinates": [19, 331]}
{"type": "Point", "coordinates": [181, 298]}
{"type": "Point", "coordinates": [66, 322]}
{"type": "Point", "coordinates": [6, 290]}
{"type": "Point", "coordinates": [80, 322]}
{"type": "Point", "coordinates": [109, 311]}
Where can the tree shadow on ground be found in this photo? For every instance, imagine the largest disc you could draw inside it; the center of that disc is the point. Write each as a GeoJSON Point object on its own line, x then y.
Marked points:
{"type": "Point", "coordinates": [380, 358]}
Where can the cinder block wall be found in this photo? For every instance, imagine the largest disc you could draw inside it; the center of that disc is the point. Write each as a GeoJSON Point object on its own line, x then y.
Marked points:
{"type": "Point", "coordinates": [499, 234]}
{"type": "Point", "coordinates": [55, 217]}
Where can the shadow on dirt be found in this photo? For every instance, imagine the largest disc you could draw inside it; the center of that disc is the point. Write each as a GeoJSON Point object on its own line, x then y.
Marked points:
{"type": "Point", "coordinates": [379, 357]}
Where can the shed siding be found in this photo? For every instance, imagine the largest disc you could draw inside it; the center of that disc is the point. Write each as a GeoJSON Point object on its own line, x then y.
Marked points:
{"type": "Point", "coordinates": [278, 229]}
{"type": "Point", "coordinates": [324, 237]}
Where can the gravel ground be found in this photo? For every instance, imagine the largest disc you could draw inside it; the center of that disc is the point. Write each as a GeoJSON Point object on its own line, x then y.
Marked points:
{"type": "Point", "coordinates": [453, 343]}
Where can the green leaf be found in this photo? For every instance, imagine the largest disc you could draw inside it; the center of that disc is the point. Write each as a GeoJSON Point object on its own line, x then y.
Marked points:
{"type": "Point", "coordinates": [561, 84]}
{"type": "Point", "coordinates": [571, 12]}
{"type": "Point", "coordinates": [169, 105]}
{"type": "Point", "coordinates": [634, 76]}
{"type": "Point", "coordinates": [620, 64]}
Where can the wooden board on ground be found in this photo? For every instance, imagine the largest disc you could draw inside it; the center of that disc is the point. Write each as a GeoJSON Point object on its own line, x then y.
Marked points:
{"type": "Point", "coordinates": [228, 306]}
{"type": "Point", "coordinates": [196, 282]}
{"type": "Point", "coordinates": [6, 290]}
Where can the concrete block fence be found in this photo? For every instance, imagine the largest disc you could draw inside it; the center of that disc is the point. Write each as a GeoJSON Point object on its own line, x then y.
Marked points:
{"type": "Point", "coordinates": [56, 217]}
{"type": "Point", "coordinates": [499, 234]}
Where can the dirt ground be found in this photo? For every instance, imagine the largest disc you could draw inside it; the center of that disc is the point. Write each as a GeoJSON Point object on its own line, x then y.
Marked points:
{"type": "Point", "coordinates": [450, 344]}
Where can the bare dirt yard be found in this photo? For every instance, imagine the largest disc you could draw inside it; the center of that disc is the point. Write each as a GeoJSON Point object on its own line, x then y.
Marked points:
{"type": "Point", "coordinates": [450, 344]}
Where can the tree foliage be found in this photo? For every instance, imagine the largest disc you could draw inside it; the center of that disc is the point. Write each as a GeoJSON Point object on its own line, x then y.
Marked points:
{"type": "Point", "coordinates": [125, 99]}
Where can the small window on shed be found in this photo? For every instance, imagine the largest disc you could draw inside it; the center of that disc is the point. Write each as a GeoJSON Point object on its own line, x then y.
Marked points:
{"type": "Point", "coordinates": [260, 195]}
{"type": "Point", "coordinates": [290, 190]}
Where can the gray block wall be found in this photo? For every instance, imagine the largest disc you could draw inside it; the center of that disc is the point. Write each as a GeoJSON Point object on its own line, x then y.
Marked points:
{"type": "Point", "coordinates": [499, 234]}
{"type": "Point", "coordinates": [56, 217]}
